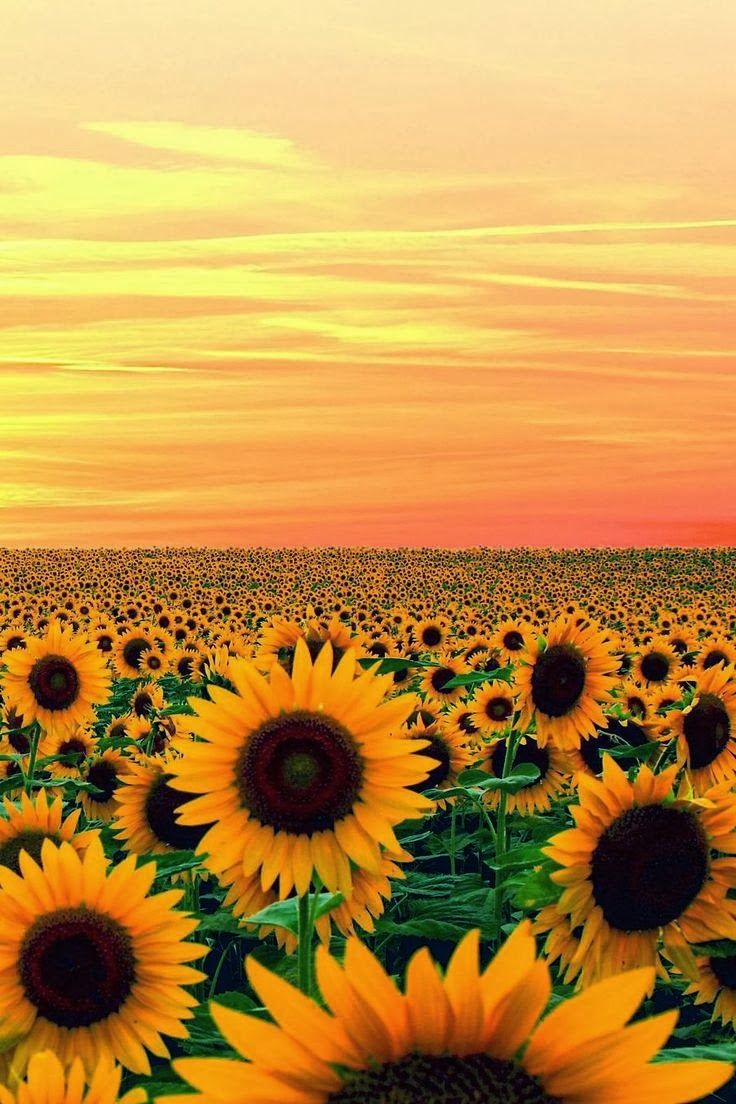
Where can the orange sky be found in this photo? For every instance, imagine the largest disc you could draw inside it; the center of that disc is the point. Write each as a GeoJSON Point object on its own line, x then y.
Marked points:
{"type": "Point", "coordinates": [383, 273]}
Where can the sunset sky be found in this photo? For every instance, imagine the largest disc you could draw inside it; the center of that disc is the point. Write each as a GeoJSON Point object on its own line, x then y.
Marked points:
{"type": "Point", "coordinates": [399, 272]}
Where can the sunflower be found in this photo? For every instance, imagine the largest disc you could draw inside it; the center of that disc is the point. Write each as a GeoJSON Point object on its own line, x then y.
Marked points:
{"type": "Point", "coordinates": [537, 795]}
{"type": "Point", "coordinates": [147, 699]}
{"type": "Point", "coordinates": [105, 772]}
{"type": "Point", "coordinates": [640, 866]}
{"type": "Point", "coordinates": [25, 825]}
{"type": "Point", "coordinates": [92, 967]}
{"type": "Point", "coordinates": [57, 680]}
{"type": "Point", "coordinates": [47, 1083]}
{"type": "Point", "coordinates": [493, 708]}
{"type": "Point", "coordinates": [435, 679]}
{"type": "Point", "coordinates": [15, 733]}
{"type": "Point", "coordinates": [638, 702]}
{"type": "Point", "coordinates": [657, 662]}
{"type": "Point", "coordinates": [128, 649]}
{"type": "Point", "coordinates": [430, 635]}
{"type": "Point", "coordinates": [278, 642]}
{"type": "Point", "coordinates": [563, 681]}
{"type": "Point", "coordinates": [103, 637]}
{"type": "Point", "coordinates": [716, 652]}
{"type": "Point", "coordinates": [450, 752]}
{"type": "Point", "coordinates": [72, 748]}
{"type": "Point", "coordinates": [146, 821]}
{"type": "Point", "coordinates": [155, 663]}
{"type": "Point", "coordinates": [458, 1038]}
{"type": "Point", "coordinates": [706, 729]}
{"type": "Point", "coordinates": [301, 773]}
{"type": "Point", "coordinates": [11, 638]}
{"type": "Point", "coordinates": [716, 985]}
{"type": "Point", "coordinates": [459, 721]}
{"type": "Point", "coordinates": [512, 637]}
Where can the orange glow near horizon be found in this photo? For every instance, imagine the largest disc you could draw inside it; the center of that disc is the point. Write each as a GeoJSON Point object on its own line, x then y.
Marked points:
{"type": "Point", "coordinates": [415, 274]}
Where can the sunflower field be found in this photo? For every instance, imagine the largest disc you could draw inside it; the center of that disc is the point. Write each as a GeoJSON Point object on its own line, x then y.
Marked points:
{"type": "Point", "coordinates": [363, 826]}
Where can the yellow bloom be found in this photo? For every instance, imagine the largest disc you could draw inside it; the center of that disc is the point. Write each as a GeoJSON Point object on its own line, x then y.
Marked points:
{"type": "Point", "coordinates": [471, 1036]}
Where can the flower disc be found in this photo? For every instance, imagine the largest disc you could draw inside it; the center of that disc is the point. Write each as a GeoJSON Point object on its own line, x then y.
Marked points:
{"type": "Point", "coordinates": [300, 772]}
{"type": "Point", "coordinates": [54, 682]}
{"type": "Point", "coordinates": [76, 966]}
{"type": "Point", "coordinates": [648, 867]}
{"type": "Point", "coordinates": [558, 680]}
{"type": "Point", "coordinates": [426, 1079]}
{"type": "Point", "coordinates": [707, 728]}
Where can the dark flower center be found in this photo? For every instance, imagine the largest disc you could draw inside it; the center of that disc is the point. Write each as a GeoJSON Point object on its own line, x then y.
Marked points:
{"type": "Point", "coordinates": [103, 775]}
{"type": "Point", "coordinates": [440, 678]}
{"type": "Point", "coordinates": [104, 643]}
{"type": "Point", "coordinates": [648, 867]}
{"type": "Point", "coordinates": [466, 723]}
{"type": "Point", "coordinates": [134, 649]}
{"type": "Point", "coordinates": [77, 966]}
{"type": "Point", "coordinates": [142, 704]}
{"type": "Point", "coordinates": [431, 636]}
{"type": "Point", "coordinates": [725, 970]}
{"type": "Point", "coordinates": [558, 680]}
{"type": "Point", "coordinates": [30, 840]}
{"type": "Point", "coordinates": [655, 667]}
{"type": "Point", "coordinates": [185, 666]}
{"type": "Point", "coordinates": [14, 642]}
{"type": "Point", "coordinates": [513, 641]}
{"type": "Point", "coordinates": [19, 741]}
{"type": "Point", "coordinates": [54, 682]}
{"type": "Point", "coordinates": [707, 729]}
{"type": "Point", "coordinates": [714, 658]}
{"type": "Point", "coordinates": [438, 750]}
{"type": "Point", "coordinates": [499, 709]}
{"type": "Point", "coordinates": [528, 752]}
{"type": "Point", "coordinates": [74, 748]}
{"type": "Point", "coordinates": [300, 772]}
{"type": "Point", "coordinates": [426, 1079]}
{"type": "Point", "coordinates": [161, 806]}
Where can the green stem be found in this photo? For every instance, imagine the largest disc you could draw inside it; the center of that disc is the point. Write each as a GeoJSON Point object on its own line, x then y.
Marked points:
{"type": "Point", "coordinates": [304, 949]}
{"type": "Point", "coordinates": [453, 814]}
{"type": "Point", "coordinates": [216, 975]}
{"type": "Point", "coordinates": [512, 743]}
{"type": "Point", "coordinates": [32, 760]}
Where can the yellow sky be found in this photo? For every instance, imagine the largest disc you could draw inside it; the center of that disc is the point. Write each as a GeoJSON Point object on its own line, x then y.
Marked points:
{"type": "Point", "coordinates": [276, 273]}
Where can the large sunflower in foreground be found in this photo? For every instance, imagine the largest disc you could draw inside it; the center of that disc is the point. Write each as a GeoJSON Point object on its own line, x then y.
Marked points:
{"type": "Point", "coordinates": [452, 1040]}
{"type": "Point", "coordinates": [48, 1083]}
{"type": "Point", "coordinates": [301, 773]}
{"type": "Point", "coordinates": [91, 967]}
{"type": "Point", "coordinates": [57, 680]}
{"type": "Point", "coordinates": [641, 867]}
{"type": "Point", "coordinates": [563, 681]}
{"type": "Point", "coordinates": [706, 729]}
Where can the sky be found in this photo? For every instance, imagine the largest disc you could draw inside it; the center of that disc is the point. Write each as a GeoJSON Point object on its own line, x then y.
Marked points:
{"type": "Point", "coordinates": [387, 273]}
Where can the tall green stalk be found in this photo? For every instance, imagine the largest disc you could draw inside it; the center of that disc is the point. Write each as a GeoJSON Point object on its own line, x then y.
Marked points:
{"type": "Point", "coordinates": [512, 743]}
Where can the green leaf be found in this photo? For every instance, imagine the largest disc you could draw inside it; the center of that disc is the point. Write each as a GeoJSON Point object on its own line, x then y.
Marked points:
{"type": "Point", "coordinates": [528, 854]}
{"type": "Point", "coordinates": [220, 922]}
{"type": "Point", "coordinates": [534, 889]}
{"type": "Point", "coordinates": [394, 663]}
{"type": "Point", "coordinates": [477, 678]}
{"type": "Point", "coordinates": [285, 914]}
{"type": "Point", "coordinates": [715, 1052]}
{"type": "Point", "coordinates": [719, 948]}
{"type": "Point", "coordinates": [479, 780]}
